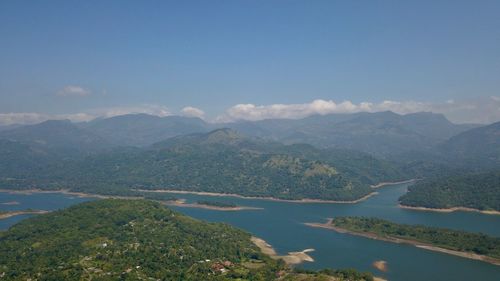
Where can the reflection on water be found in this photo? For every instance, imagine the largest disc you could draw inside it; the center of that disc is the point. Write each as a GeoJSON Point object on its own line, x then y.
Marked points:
{"type": "Point", "coordinates": [280, 224]}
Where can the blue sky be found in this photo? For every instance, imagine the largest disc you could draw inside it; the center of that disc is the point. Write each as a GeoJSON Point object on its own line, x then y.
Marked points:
{"type": "Point", "coordinates": [61, 58]}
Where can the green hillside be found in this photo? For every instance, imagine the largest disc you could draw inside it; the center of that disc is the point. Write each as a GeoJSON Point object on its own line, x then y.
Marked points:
{"type": "Point", "coordinates": [478, 191]}
{"type": "Point", "coordinates": [221, 161]}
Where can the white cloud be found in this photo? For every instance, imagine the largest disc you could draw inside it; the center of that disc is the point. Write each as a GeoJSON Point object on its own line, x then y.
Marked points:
{"type": "Point", "coordinates": [192, 112]}
{"type": "Point", "coordinates": [151, 109]}
{"type": "Point", "coordinates": [33, 118]}
{"type": "Point", "coordinates": [73, 91]}
{"type": "Point", "coordinates": [477, 110]}
{"type": "Point", "coordinates": [321, 107]}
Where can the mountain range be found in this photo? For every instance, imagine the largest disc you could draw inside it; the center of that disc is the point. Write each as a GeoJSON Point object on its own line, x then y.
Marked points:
{"type": "Point", "coordinates": [331, 157]}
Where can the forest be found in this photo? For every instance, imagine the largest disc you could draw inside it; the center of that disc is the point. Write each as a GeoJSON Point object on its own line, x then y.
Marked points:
{"type": "Point", "coordinates": [477, 191]}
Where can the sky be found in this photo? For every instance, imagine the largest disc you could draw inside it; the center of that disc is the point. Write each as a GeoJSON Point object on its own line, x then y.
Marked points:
{"type": "Point", "coordinates": [236, 59]}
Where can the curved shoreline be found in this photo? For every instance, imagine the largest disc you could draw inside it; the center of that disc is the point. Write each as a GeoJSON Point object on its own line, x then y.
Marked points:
{"type": "Point", "coordinates": [449, 210]}
{"type": "Point", "coordinates": [204, 193]}
{"type": "Point", "coordinates": [291, 259]}
{"type": "Point", "coordinates": [422, 245]}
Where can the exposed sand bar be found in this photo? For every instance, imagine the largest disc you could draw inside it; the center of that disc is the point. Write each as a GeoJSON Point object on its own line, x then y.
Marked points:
{"type": "Point", "coordinates": [178, 203]}
{"type": "Point", "coordinates": [10, 203]}
{"type": "Point", "coordinates": [449, 210]}
{"type": "Point", "coordinates": [382, 184]}
{"type": "Point", "coordinates": [380, 265]}
{"type": "Point", "coordinates": [292, 258]}
{"type": "Point", "coordinates": [182, 203]}
{"type": "Point", "coordinates": [17, 213]}
{"type": "Point", "coordinates": [173, 191]}
{"type": "Point", "coordinates": [67, 192]}
{"type": "Point", "coordinates": [418, 244]}
{"type": "Point", "coordinates": [257, 197]}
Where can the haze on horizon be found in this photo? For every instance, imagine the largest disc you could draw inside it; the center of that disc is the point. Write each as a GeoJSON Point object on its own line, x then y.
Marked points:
{"type": "Point", "coordinates": [248, 60]}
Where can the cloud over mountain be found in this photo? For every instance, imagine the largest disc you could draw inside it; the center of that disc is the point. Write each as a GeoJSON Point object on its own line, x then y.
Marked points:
{"type": "Point", "coordinates": [190, 111]}
{"type": "Point", "coordinates": [478, 110]}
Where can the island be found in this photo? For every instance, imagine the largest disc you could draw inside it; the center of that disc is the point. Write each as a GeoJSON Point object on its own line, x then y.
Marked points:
{"type": "Point", "coordinates": [117, 239]}
{"type": "Point", "coordinates": [475, 246]}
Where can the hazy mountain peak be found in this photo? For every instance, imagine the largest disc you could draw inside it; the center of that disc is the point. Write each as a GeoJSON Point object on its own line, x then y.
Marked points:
{"type": "Point", "coordinates": [223, 135]}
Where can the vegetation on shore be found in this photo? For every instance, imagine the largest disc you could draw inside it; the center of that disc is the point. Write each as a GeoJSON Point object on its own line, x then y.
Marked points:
{"type": "Point", "coordinates": [454, 240]}
{"type": "Point", "coordinates": [476, 191]}
{"type": "Point", "coordinates": [328, 275]}
{"type": "Point", "coordinates": [117, 239]}
{"type": "Point", "coordinates": [8, 214]}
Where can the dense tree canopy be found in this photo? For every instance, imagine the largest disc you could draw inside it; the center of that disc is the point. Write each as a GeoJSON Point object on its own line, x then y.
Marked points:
{"type": "Point", "coordinates": [479, 191]}
{"type": "Point", "coordinates": [441, 237]}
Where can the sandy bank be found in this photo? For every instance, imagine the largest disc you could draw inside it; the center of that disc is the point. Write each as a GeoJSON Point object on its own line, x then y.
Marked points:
{"type": "Point", "coordinates": [182, 203]}
{"type": "Point", "coordinates": [418, 244]}
{"type": "Point", "coordinates": [292, 257]}
{"type": "Point", "coordinates": [382, 184]}
{"type": "Point", "coordinates": [256, 197]}
{"type": "Point", "coordinates": [17, 213]}
{"type": "Point", "coordinates": [449, 210]}
{"type": "Point", "coordinates": [380, 265]}
{"type": "Point", "coordinates": [89, 195]}
{"type": "Point", "coordinates": [67, 192]}
{"type": "Point", "coordinates": [10, 203]}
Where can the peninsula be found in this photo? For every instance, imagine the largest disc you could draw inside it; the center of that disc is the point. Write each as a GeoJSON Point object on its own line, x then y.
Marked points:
{"type": "Point", "coordinates": [459, 243]}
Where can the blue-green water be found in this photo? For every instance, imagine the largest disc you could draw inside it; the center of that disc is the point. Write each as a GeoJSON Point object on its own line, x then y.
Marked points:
{"type": "Point", "coordinates": [281, 224]}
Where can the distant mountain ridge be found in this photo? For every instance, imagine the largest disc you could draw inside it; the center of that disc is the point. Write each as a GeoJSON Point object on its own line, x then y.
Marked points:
{"type": "Point", "coordinates": [380, 133]}
{"type": "Point", "coordinates": [58, 136]}
{"type": "Point", "coordinates": [144, 129]}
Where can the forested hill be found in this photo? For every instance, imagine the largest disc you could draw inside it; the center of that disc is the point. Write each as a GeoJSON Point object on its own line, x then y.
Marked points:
{"type": "Point", "coordinates": [478, 191]}
{"type": "Point", "coordinates": [479, 146]}
{"type": "Point", "coordinates": [130, 239]}
{"type": "Point", "coordinates": [134, 240]}
{"type": "Point", "coordinates": [220, 161]}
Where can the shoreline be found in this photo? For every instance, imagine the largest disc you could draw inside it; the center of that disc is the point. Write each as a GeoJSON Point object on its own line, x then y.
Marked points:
{"type": "Point", "coordinates": [181, 203]}
{"type": "Point", "coordinates": [9, 214]}
{"type": "Point", "coordinates": [177, 203]}
{"type": "Point", "coordinates": [306, 200]}
{"type": "Point", "coordinates": [67, 192]}
{"type": "Point", "coordinates": [205, 193]}
{"type": "Point", "coordinates": [292, 258]}
{"type": "Point", "coordinates": [449, 210]}
{"type": "Point", "coordinates": [422, 245]}
{"type": "Point", "coordinates": [382, 184]}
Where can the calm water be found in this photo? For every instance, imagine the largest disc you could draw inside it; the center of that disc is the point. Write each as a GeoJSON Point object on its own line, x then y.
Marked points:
{"type": "Point", "coordinates": [280, 224]}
